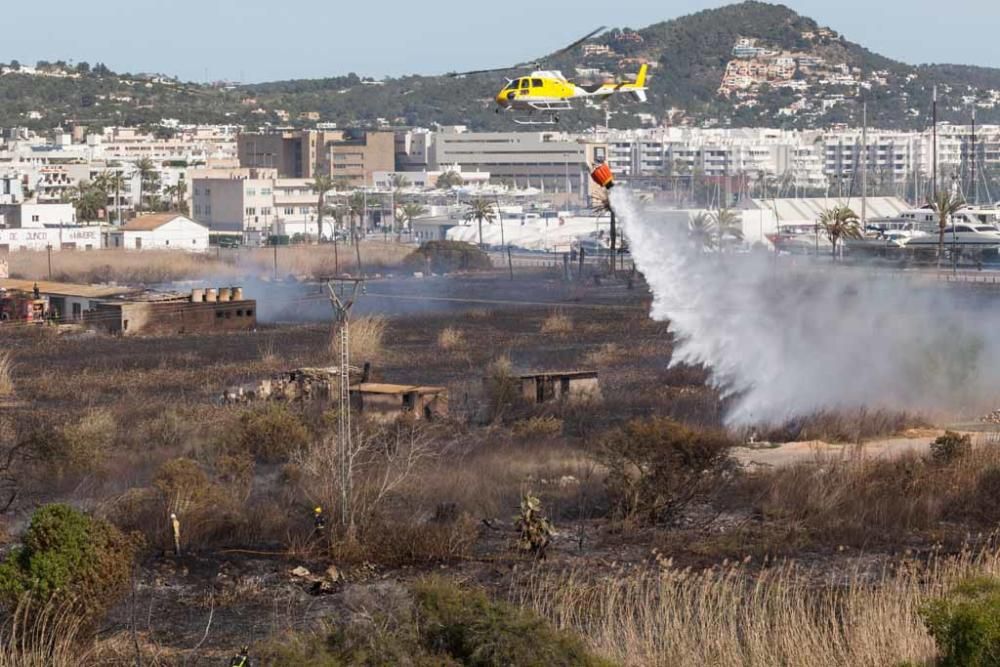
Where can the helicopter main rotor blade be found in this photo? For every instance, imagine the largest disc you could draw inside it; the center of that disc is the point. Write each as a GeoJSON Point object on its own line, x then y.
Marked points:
{"type": "Point", "coordinates": [485, 71]}
{"type": "Point", "coordinates": [529, 65]}
{"type": "Point", "coordinates": [579, 42]}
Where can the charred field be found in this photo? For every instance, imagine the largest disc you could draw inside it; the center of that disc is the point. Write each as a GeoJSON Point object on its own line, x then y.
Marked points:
{"type": "Point", "coordinates": [661, 544]}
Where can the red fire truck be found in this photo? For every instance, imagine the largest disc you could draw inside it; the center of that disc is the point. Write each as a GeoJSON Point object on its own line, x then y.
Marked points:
{"type": "Point", "coordinates": [20, 306]}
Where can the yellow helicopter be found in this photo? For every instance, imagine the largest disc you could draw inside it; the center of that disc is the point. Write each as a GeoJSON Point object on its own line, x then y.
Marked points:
{"type": "Point", "coordinates": [549, 92]}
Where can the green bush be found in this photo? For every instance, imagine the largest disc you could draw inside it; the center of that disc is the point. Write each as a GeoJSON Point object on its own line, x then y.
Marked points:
{"type": "Point", "coordinates": [965, 624]}
{"type": "Point", "coordinates": [272, 433]}
{"type": "Point", "coordinates": [437, 624]}
{"type": "Point", "coordinates": [68, 556]}
{"type": "Point", "coordinates": [479, 632]}
{"type": "Point", "coordinates": [950, 447]}
{"type": "Point", "coordinates": [657, 467]}
{"type": "Point", "coordinates": [447, 257]}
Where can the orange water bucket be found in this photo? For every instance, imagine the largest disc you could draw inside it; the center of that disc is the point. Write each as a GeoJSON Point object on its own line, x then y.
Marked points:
{"type": "Point", "coordinates": [602, 176]}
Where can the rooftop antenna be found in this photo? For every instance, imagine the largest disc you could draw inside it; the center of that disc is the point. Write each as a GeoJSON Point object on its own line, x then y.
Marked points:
{"type": "Point", "coordinates": [342, 294]}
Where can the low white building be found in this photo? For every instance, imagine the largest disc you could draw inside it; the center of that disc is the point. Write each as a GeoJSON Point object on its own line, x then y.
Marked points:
{"type": "Point", "coordinates": [163, 231]}
{"type": "Point", "coordinates": [73, 237]}
{"type": "Point", "coordinates": [32, 215]}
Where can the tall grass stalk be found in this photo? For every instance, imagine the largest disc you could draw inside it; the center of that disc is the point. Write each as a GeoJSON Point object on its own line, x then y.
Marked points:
{"type": "Point", "coordinates": [742, 616]}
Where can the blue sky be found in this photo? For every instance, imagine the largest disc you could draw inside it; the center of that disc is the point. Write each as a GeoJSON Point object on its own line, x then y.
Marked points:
{"type": "Point", "coordinates": [261, 40]}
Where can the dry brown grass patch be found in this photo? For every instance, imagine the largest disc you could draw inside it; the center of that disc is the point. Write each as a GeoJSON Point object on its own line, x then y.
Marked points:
{"type": "Point", "coordinates": [451, 339]}
{"type": "Point", "coordinates": [557, 323]}
{"type": "Point", "coordinates": [366, 336]}
{"type": "Point", "coordinates": [6, 374]}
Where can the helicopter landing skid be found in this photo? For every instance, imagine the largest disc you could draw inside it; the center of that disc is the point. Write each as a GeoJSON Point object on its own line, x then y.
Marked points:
{"type": "Point", "coordinates": [553, 119]}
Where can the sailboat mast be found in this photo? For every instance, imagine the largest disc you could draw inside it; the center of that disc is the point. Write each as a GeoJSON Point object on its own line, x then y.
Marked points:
{"type": "Point", "coordinates": [934, 159]}
{"type": "Point", "coordinates": [975, 155]}
{"type": "Point", "coordinates": [864, 165]}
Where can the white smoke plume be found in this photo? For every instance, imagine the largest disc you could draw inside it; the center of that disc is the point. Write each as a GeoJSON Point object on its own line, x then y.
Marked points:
{"type": "Point", "coordinates": [786, 339]}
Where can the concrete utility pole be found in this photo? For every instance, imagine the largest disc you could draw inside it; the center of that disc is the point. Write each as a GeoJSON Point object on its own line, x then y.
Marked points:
{"type": "Point", "coordinates": [342, 295]}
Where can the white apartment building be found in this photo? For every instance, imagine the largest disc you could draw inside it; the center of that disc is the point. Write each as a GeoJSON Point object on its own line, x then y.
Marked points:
{"type": "Point", "coordinates": [553, 162]}
{"type": "Point", "coordinates": [254, 203]}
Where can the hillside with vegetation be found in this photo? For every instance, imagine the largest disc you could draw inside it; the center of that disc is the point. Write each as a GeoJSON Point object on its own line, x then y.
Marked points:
{"type": "Point", "coordinates": [688, 55]}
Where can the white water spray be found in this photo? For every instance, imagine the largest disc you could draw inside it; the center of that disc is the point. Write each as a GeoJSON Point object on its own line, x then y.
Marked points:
{"type": "Point", "coordinates": [787, 340]}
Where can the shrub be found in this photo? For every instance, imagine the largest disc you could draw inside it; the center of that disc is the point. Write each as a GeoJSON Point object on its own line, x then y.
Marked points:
{"type": "Point", "coordinates": [468, 626]}
{"type": "Point", "coordinates": [447, 257]}
{"type": "Point", "coordinates": [436, 624]}
{"type": "Point", "coordinates": [965, 623]}
{"type": "Point", "coordinates": [272, 433]}
{"type": "Point", "coordinates": [501, 388]}
{"type": "Point", "coordinates": [950, 447]}
{"type": "Point", "coordinates": [656, 466]}
{"type": "Point", "coordinates": [451, 338]}
{"type": "Point", "coordinates": [537, 427]}
{"type": "Point", "coordinates": [68, 556]}
{"type": "Point", "coordinates": [87, 441]}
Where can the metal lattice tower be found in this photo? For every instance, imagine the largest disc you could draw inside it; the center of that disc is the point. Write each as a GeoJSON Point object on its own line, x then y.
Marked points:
{"type": "Point", "coordinates": [342, 294]}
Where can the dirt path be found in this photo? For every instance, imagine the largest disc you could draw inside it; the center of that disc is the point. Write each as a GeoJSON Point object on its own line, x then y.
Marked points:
{"type": "Point", "coordinates": [792, 453]}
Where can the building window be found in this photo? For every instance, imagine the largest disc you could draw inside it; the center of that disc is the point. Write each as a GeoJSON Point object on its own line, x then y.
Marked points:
{"type": "Point", "coordinates": [265, 191]}
{"type": "Point", "coordinates": [239, 313]}
{"type": "Point", "coordinates": [304, 210]}
{"type": "Point", "coordinates": [266, 210]}
{"type": "Point", "coordinates": [218, 315]}
{"type": "Point", "coordinates": [34, 218]}
{"type": "Point", "coordinates": [197, 209]}
{"type": "Point", "coordinates": [290, 211]}
{"type": "Point", "coordinates": [250, 312]}
{"type": "Point", "coordinates": [208, 210]}
{"type": "Point", "coordinates": [251, 211]}
{"type": "Point", "coordinates": [251, 192]}
{"type": "Point", "coordinates": [208, 191]}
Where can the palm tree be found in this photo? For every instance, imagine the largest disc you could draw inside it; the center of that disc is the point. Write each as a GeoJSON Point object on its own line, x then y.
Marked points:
{"type": "Point", "coordinates": [408, 212]}
{"type": "Point", "coordinates": [89, 201]}
{"type": "Point", "coordinates": [398, 182]}
{"type": "Point", "coordinates": [357, 206]}
{"type": "Point", "coordinates": [701, 231]}
{"type": "Point", "coordinates": [838, 223]}
{"type": "Point", "coordinates": [322, 183]}
{"type": "Point", "coordinates": [944, 205]}
{"type": "Point", "coordinates": [601, 204]}
{"type": "Point", "coordinates": [480, 209]}
{"type": "Point", "coordinates": [449, 179]}
{"type": "Point", "coordinates": [111, 181]}
{"type": "Point", "coordinates": [728, 222]}
{"type": "Point", "coordinates": [147, 172]}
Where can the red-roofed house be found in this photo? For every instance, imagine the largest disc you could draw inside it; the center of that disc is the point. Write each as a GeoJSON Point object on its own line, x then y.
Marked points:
{"type": "Point", "coordinates": [163, 231]}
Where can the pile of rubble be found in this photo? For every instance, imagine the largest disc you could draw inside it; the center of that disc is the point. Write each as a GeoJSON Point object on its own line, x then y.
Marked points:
{"type": "Point", "coordinates": [992, 418]}
{"type": "Point", "coordinates": [301, 384]}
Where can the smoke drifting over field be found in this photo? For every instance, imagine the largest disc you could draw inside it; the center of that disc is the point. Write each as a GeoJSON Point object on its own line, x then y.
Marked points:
{"type": "Point", "coordinates": [786, 341]}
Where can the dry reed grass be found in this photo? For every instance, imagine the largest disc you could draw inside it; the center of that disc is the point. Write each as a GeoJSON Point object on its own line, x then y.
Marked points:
{"type": "Point", "coordinates": [161, 266]}
{"type": "Point", "coordinates": [46, 637]}
{"type": "Point", "coordinates": [740, 616]}
{"type": "Point", "coordinates": [365, 341]}
{"type": "Point", "coordinates": [6, 374]}
{"type": "Point", "coordinates": [557, 323]}
{"type": "Point", "coordinates": [451, 339]}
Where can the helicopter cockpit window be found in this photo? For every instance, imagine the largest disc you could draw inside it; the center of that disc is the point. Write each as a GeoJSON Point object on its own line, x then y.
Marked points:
{"type": "Point", "coordinates": [513, 85]}
{"type": "Point", "coordinates": [536, 83]}
{"type": "Point", "coordinates": [525, 83]}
